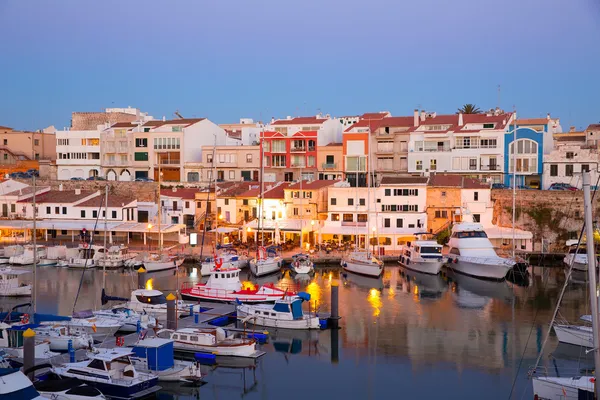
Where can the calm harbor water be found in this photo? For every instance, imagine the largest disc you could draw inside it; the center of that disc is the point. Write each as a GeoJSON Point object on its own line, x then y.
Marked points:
{"type": "Point", "coordinates": [404, 335]}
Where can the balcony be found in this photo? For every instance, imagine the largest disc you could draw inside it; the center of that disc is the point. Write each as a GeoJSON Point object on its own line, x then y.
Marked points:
{"type": "Point", "coordinates": [169, 162]}
{"type": "Point", "coordinates": [298, 149]}
{"type": "Point", "coordinates": [493, 167]}
{"type": "Point", "coordinates": [329, 165]}
{"type": "Point", "coordinates": [115, 149]}
{"type": "Point", "coordinates": [352, 223]}
{"type": "Point", "coordinates": [278, 166]}
{"type": "Point", "coordinates": [115, 163]}
{"type": "Point", "coordinates": [298, 165]}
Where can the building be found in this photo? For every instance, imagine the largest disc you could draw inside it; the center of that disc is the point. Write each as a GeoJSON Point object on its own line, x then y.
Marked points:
{"type": "Point", "coordinates": [289, 157]}
{"type": "Point", "coordinates": [329, 130]}
{"type": "Point", "coordinates": [467, 144]}
{"type": "Point", "coordinates": [246, 131]}
{"type": "Point", "coordinates": [178, 206]}
{"type": "Point", "coordinates": [18, 146]}
{"type": "Point", "coordinates": [78, 154]}
{"type": "Point", "coordinates": [227, 203]}
{"type": "Point", "coordinates": [330, 160]}
{"type": "Point", "coordinates": [355, 153]}
{"type": "Point", "coordinates": [232, 163]}
{"type": "Point", "coordinates": [88, 121]}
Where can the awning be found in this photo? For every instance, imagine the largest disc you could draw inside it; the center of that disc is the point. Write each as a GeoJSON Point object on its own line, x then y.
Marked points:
{"type": "Point", "coordinates": [343, 230]}
{"type": "Point", "coordinates": [290, 225]}
{"type": "Point", "coordinates": [225, 229]}
{"type": "Point", "coordinates": [77, 225]}
{"type": "Point", "coordinates": [500, 232]}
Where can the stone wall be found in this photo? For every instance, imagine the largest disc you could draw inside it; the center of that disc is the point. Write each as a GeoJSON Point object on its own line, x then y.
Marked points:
{"type": "Point", "coordinates": [552, 215]}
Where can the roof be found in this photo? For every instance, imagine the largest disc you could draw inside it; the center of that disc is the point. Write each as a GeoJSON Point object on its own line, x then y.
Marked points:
{"type": "Point", "coordinates": [187, 193]}
{"type": "Point", "coordinates": [26, 190]}
{"type": "Point", "coordinates": [6, 128]}
{"type": "Point", "coordinates": [377, 123]}
{"type": "Point", "coordinates": [153, 123]}
{"type": "Point", "coordinates": [274, 193]}
{"type": "Point", "coordinates": [237, 189]}
{"type": "Point", "coordinates": [593, 127]}
{"type": "Point", "coordinates": [89, 121]}
{"type": "Point", "coordinates": [312, 185]}
{"type": "Point", "coordinates": [404, 180]}
{"type": "Point", "coordinates": [112, 354]}
{"type": "Point", "coordinates": [113, 201]}
{"type": "Point", "coordinates": [124, 125]}
{"type": "Point", "coordinates": [442, 180]}
{"type": "Point", "coordinates": [375, 115]}
{"type": "Point", "coordinates": [60, 196]}
{"type": "Point", "coordinates": [152, 342]}
{"type": "Point", "coordinates": [300, 121]}
{"type": "Point", "coordinates": [334, 144]}
{"type": "Point", "coordinates": [182, 121]}
{"type": "Point", "coordinates": [365, 123]}
{"type": "Point", "coordinates": [532, 121]}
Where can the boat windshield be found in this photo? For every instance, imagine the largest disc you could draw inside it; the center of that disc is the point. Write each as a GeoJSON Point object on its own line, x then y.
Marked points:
{"type": "Point", "coordinates": [431, 250]}
{"type": "Point", "coordinates": [580, 250]}
{"type": "Point", "coordinates": [469, 234]}
{"type": "Point", "coordinates": [161, 299]}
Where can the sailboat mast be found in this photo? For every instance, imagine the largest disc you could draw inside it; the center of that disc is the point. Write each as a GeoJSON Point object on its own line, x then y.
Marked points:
{"type": "Point", "coordinates": [159, 206]}
{"type": "Point", "coordinates": [34, 233]}
{"type": "Point", "coordinates": [105, 229]}
{"type": "Point", "coordinates": [260, 196]}
{"type": "Point", "coordinates": [216, 206]}
{"type": "Point", "coordinates": [514, 179]}
{"type": "Point", "coordinates": [591, 256]}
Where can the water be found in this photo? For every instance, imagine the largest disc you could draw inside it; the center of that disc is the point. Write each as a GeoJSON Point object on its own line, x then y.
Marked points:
{"type": "Point", "coordinates": [404, 335]}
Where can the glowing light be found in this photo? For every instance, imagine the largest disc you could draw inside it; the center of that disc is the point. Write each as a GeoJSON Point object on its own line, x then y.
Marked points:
{"type": "Point", "coordinates": [194, 273]}
{"type": "Point", "coordinates": [149, 284]}
{"type": "Point", "coordinates": [220, 216]}
{"type": "Point", "coordinates": [247, 285]}
{"type": "Point", "coordinates": [416, 290]}
{"type": "Point", "coordinates": [149, 226]}
{"type": "Point", "coordinates": [373, 229]}
{"type": "Point", "coordinates": [330, 276]}
{"type": "Point", "coordinates": [315, 293]}
{"type": "Point", "coordinates": [374, 300]}
{"type": "Point", "coordinates": [312, 222]}
{"type": "Point", "coordinates": [307, 246]}
{"type": "Point", "coordinates": [249, 229]}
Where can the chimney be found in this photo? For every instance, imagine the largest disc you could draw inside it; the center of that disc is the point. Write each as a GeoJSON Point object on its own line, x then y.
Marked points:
{"type": "Point", "coordinates": [164, 118]}
{"type": "Point", "coordinates": [422, 115]}
{"type": "Point", "coordinates": [548, 117]}
{"type": "Point", "coordinates": [416, 118]}
{"type": "Point", "coordinates": [77, 191]}
{"type": "Point", "coordinates": [60, 187]}
{"type": "Point", "coordinates": [460, 119]}
{"type": "Point", "coordinates": [571, 129]}
{"type": "Point", "coordinates": [272, 119]}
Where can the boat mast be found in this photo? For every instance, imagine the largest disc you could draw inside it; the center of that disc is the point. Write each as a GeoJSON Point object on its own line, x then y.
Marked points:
{"type": "Point", "coordinates": [371, 176]}
{"type": "Point", "coordinates": [591, 256]}
{"type": "Point", "coordinates": [216, 206]}
{"type": "Point", "coordinates": [159, 205]}
{"type": "Point", "coordinates": [514, 179]}
{"type": "Point", "coordinates": [34, 296]}
{"type": "Point", "coordinates": [105, 229]}
{"type": "Point", "coordinates": [259, 225]}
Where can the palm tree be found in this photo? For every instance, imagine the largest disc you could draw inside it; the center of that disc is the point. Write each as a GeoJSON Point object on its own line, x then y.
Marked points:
{"type": "Point", "coordinates": [469, 109]}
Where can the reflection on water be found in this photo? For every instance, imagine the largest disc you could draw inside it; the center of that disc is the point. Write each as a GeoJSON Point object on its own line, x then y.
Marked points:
{"type": "Point", "coordinates": [448, 333]}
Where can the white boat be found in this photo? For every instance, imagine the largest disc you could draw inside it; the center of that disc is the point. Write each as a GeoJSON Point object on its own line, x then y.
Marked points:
{"type": "Point", "coordinates": [211, 340]}
{"type": "Point", "coordinates": [58, 337]}
{"type": "Point", "coordinates": [422, 256]}
{"type": "Point", "coordinates": [56, 388]}
{"type": "Point", "coordinates": [156, 355]}
{"type": "Point", "coordinates": [26, 258]}
{"type": "Point", "coordinates": [10, 251]}
{"type": "Point", "coordinates": [116, 257]}
{"type": "Point", "coordinates": [12, 284]}
{"type": "Point", "coordinates": [574, 388]}
{"type": "Point", "coordinates": [472, 253]}
{"type": "Point", "coordinates": [11, 340]}
{"type": "Point", "coordinates": [87, 257]}
{"type": "Point", "coordinates": [576, 256]}
{"type": "Point", "coordinates": [362, 262]}
{"type": "Point", "coordinates": [578, 335]}
{"type": "Point", "coordinates": [128, 318]}
{"type": "Point", "coordinates": [160, 262]}
{"type": "Point", "coordinates": [112, 373]}
{"type": "Point", "coordinates": [286, 313]}
{"type": "Point", "coordinates": [15, 385]}
{"type": "Point", "coordinates": [98, 328]}
{"type": "Point", "coordinates": [228, 257]}
{"type": "Point", "coordinates": [225, 285]}
{"type": "Point", "coordinates": [302, 264]}
{"type": "Point", "coordinates": [154, 303]}
{"type": "Point", "coordinates": [266, 262]}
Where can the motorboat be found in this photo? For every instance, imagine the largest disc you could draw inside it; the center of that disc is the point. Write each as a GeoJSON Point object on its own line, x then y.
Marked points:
{"type": "Point", "coordinates": [578, 387]}
{"type": "Point", "coordinates": [113, 373]}
{"type": "Point", "coordinates": [116, 257]}
{"type": "Point", "coordinates": [85, 321]}
{"type": "Point", "coordinates": [362, 262]}
{"type": "Point", "coordinates": [160, 262]}
{"type": "Point", "coordinates": [422, 256]}
{"type": "Point", "coordinates": [286, 313]}
{"type": "Point", "coordinates": [211, 340]}
{"type": "Point", "coordinates": [10, 251]}
{"type": "Point", "coordinates": [472, 253]}
{"type": "Point", "coordinates": [87, 257]}
{"type": "Point", "coordinates": [577, 256]}
{"type": "Point", "coordinates": [266, 262]}
{"type": "Point", "coordinates": [26, 258]}
{"type": "Point", "coordinates": [59, 336]}
{"type": "Point", "coordinates": [14, 384]}
{"type": "Point", "coordinates": [11, 340]}
{"type": "Point", "coordinates": [54, 387]}
{"type": "Point", "coordinates": [302, 264]}
{"type": "Point", "coordinates": [12, 283]}
{"type": "Point", "coordinates": [154, 303]}
{"type": "Point", "coordinates": [578, 335]}
{"type": "Point", "coordinates": [156, 356]}
{"type": "Point", "coordinates": [53, 255]}
{"type": "Point", "coordinates": [228, 257]}
{"type": "Point", "coordinates": [129, 319]}
{"type": "Point", "coordinates": [225, 285]}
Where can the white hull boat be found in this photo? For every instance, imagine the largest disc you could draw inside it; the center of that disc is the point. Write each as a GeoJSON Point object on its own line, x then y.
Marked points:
{"type": "Point", "coordinates": [116, 257]}
{"type": "Point", "coordinates": [181, 371]}
{"type": "Point", "coordinates": [214, 341]}
{"type": "Point", "coordinates": [362, 262]}
{"type": "Point", "coordinates": [128, 319]}
{"type": "Point", "coordinates": [266, 266]}
{"type": "Point", "coordinates": [85, 322]}
{"type": "Point", "coordinates": [481, 268]}
{"type": "Point", "coordinates": [301, 264]}
{"type": "Point", "coordinates": [161, 264]}
{"type": "Point", "coordinates": [551, 388]}
{"type": "Point", "coordinates": [575, 334]}
{"type": "Point", "coordinates": [42, 352]}
{"type": "Point", "coordinates": [577, 256]}
{"type": "Point", "coordinates": [87, 257]}
{"type": "Point", "coordinates": [285, 313]}
{"type": "Point", "coordinates": [14, 384]}
{"type": "Point", "coordinates": [59, 337]}
{"type": "Point", "coordinates": [228, 258]}
{"type": "Point", "coordinates": [27, 257]}
{"type": "Point", "coordinates": [154, 303]}
{"type": "Point", "coordinates": [11, 283]}
{"type": "Point", "coordinates": [422, 256]}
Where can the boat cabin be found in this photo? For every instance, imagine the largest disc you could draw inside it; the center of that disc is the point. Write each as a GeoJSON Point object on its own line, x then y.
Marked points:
{"type": "Point", "coordinates": [157, 352]}
{"type": "Point", "coordinates": [203, 337]}
{"type": "Point", "coordinates": [12, 278]}
{"type": "Point", "coordinates": [111, 364]}
{"type": "Point", "coordinates": [227, 279]}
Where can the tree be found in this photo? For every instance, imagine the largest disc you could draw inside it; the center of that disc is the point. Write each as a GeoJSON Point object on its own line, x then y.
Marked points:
{"type": "Point", "coordinates": [469, 109]}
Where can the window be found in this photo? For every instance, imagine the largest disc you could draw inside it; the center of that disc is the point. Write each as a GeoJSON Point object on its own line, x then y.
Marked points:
{"type": "Point", "coordinates": [329, 159]}
{"type": "Point", "coordinates": [476, 196]}
{"type": "Point", "coordinates": [248, 158]}
{"type": "Point", "coordinates": [56, 210]}
{"type": "Point", "coordinates": [36, 142]}
{"type": "Point", "coordinates": [5, 156]}
{"type": "Point", "coordinates": [419, 165]}
{"type": "Point", "coordinates": [94, 214]}
{"type": "Point", "coordinates": [488, 126]}
{"type": "Point", "coordinates": [296, 211]}
{"type": "Point", "coordinates": [97, 364]}
{"type": "Point", "coordinates": [361, 217]}
{"type": "Point", "coordinates": [193, 177]}
{"type": "Point", "coordinates": [37, 156]}
{"type": "Point", "coordinates": [48, 210]}
{"type": "Point", "coordinates": [245, 202]}
{"type": "Point", "coordinates": [231, 174]}
{"type": "Point", "coordinates": [443, 194]}
{"type": "Point", "coordinates": [477, 217]}
{"type": "Point", "coordinates": [140, 156]}
{"type": "Point", "coordinates": [141, 142]}
{"type": "Point", "coordinates": [6, 142]}
{"type": "Point", "coordinates": [388, 192]}
{"type": "Point", "coordinates": [82, 213]}
{"type": "Point", "coordinates": [569, 170]}
{"type": "Point", "coordinates": [472, 163]}
{"type": "Point", "coordinates": [335, 217]}
{"type": "Point", "coordinates": [386, 222]}
{"type": "Point", "coordinates": [209, 158]}
{"type": "Point", "coordinates": [361, 202]}
{"type": "Point", "coordinates": [350, 202]}
{"type": "Point", "coordinates": [432, 165]}
{"type": "Point", "coordinates": [348, 217]}
{"type": "Point", "coordinates": [399, 223]}
{"type": "Point", "coordinates": [64, 210]}
{"type": "Point", "coordinates": [278, 146]}
{"type": "Point", "coordinates": [569, 154]}
{"type": "Point", "coordinates": [553, 170]}
{"type": "Point", "coordinates": [585, 167]}
{"type": "Point", "coordinates": [333, 201]}
{"type": "Point", "coordinates": [114, 214]}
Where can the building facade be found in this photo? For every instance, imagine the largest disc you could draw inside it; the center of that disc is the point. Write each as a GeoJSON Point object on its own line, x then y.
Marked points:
{"type": "Point", "coordinates": [330, 161]}
{"type": "Point", "coordinates": [289, 158]}
{"type": "Point", "coordinates": [16, 146]}
{"type": "Point", "coordinates": [232, 163]}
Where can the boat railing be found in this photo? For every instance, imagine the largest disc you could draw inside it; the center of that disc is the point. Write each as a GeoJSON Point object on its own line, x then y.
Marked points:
{"type": "Point", "coordinates": [488, 260]}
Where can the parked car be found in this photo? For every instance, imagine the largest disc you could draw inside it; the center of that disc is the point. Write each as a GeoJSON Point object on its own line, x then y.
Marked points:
{"type": "Point", "coordinates": [96, 178]}
{"type": "Point", "coordinates": [144, 180]}
{"type": "Point", "coordinates": [562, 186]}
{"type": "Point", "coordinates": [76, 178]}
{"type": "Point", "coordinates": [499, 186]}
{"type": "Point", "coordinates": [32, 172]}
{"type": "Point", "coordinates": [18, 175]}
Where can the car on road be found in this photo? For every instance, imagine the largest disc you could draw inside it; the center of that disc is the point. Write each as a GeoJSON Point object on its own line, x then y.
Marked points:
{"type": "Point", "coordinates": [562, 186]}
{"type": "Point", "coordinates": [499, 186]}
{"type": "Point", "coordinates": [96, 178]}
{"type": "Point", "coordinates": [76, 178]}
{"type": "Point", "coordinates": [142, 179]}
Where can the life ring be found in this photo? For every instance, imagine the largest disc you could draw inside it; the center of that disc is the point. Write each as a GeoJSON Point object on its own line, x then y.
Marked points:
{"type": "Point", "coordinates": [218, 262]}
{"type": "Point", "coordinates": [25, 318]}
{"type": "Point", "coordinates": [296, 264]}
{"type": "Point", "coordinates": [85, 245]}
{"type": "Point", "coordinates": [262, 253]}
{"type": "Point", "coordinates": [120, 341]}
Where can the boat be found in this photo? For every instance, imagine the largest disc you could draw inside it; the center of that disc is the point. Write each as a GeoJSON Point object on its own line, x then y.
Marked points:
{"type": "Point", "coordinates": [362, 262]}
{"type": "Point", "coordinates": [472, 253]}
{"type": "Point", "coordinates": [577, 256]}
{"type": "Point", "coordinates": [87, 257]}
{"type": "Point", "coordinates": [302, 264]}
{"type": "Point", "coordinates": [85, 321]}
{"type": "Point", "coordinates": [225, 285]}
{"type": "Point", "coordinates": [12, 284]}
{"type": "Point", "coordinates": [59, 336]}
{"type": "Point", "coordinates": [11, 340]}
{"type": "Point", "coordinates": [578, 335]}
{"type": "Point", "coordinates": [112, 373]}
{"type": "Point", "coordinates": [160, 262]}
{"type": "Point", "coordinates": [116, 257]}
{"type": "Point", "coordinates": [266, 262]}
{"type": "Point", "coordinates": [227, 257]}
{"type": "Point", "coordinates": [129, 319]}
{"type": "Point", "coordinates": [26, 258]}
{"type": "Point", "coordinates": [10, 251]}
{"type": "Point", "coordinates": [286, 313]}
{"type": "Point", "coordinates": [211, 340]}
{"type": "Point", "coordinates": [154, 303]}
{"type": "Point", "coordinates": [54, 387]}
{"type": "Point", "coordinates": [427, 285]}
{"type": "Point", "coordinates": [15, 385]}
{"type": "Point", "coordinates": [422, 256]}
{"type": "Point", "coordinates": [156, 356]}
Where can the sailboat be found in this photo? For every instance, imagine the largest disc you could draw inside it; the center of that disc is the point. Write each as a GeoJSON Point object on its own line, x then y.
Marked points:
{"type": "Point", "coordinates": [576, 387]}
{"type": "Point", "coordinates": [267, 261]}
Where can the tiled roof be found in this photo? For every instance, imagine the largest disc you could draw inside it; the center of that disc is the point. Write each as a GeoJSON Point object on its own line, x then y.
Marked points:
{"type": "Point", "coordinates": [375, 115]}
{"type": "Point", "coordinates": [404, 180]}
{"type": "Point", "coordinates": [334, 144]}
{"type": "Point", "coordinates": [300, 121]}
{"type": "Point", "coordinates": [187, 193]}
{"type": "Point", "coordinates": [182, 121]}
{"type": "Point", "coordinates": [397, 121]}
{"type": "Point", "coordinates": [365, 123]}
{"type": "Point", "coordinates": [593, 127]}
{"type": "Point", "coordinates": [442, 180]}
{"type": "Point", "coordinates": [268, 134]}
{"type": "Point", "coordinates": [60, 196]}
{"type": "Point", "coordinates": [274, 193]}
{"type": "Point", "coordinates": [305, 134]}
{"type": "Point", "coordinates": [89, 121]}
{"type": "Point", "coordinates": [237, 189]}
{"type": "Point", "coordinates": [25, 191]}
{"type": "Point", "coordinates": [124, 125]}
{"type": "Point", "coordinates": [113, 201]}
{"type": "Point", "coordinates": [532, 121]}
{"type": "Point", "coordinates": [153, 123]}
{"type": "Point", "coordinates": [312, 185]}
{"type": "Point", "coordinates": [6, 128]}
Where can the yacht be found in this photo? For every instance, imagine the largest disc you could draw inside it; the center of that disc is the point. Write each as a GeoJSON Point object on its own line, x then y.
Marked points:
{"type": "Point", "coordinates": [26, 258]}
{"type": "Point", "coordinates": [15, 385]}
{"type": "Point", "coordinates": [87, 257]}
{"type": "Point", "coordinates": [156, 355]}
{"type": "Point", "coordinates": [578, 335]}
{"type": "Point", "coordinates": [154, 303]}
{"type": "Point", "coordinates": [266, 262]}
{"type": "Point", "coordinates": [56, 388]}
{"type": "Point", "coordinates": [129, 319]}
{"type": "Point", "coordinates": [59, 337]}
{"type": "Point", "coordinates": [211, 340]}
{"type": "Point", "coordinates": [285, 313]}
{"type": "Point", "coordinates": [161, 262]}
{"type": "Point", "coordinates": [11, 340]}
{"type": "Point", "coordinates": [302, 264]}
{"type": "Point", "coordinates": [472, 253]}
{"type": "Point", "coordinates": [12, 284]}
{"type": "Point", "coordinates": [225, 285]}
{"type": "Point", "coordinates": [116, 257]}
{"type": "Point", "coordinates": [422, 256]}
{"type": "Point", "coordinates": [576, 256]}
{"type": "Point", "coordinates": [112, 373]}
{"type": "Point", "coordinates": [363, 262]}
{"type": "Point", "coordinates": [10, 251]}
{"type": "Point", "coordinates": [227, 258]}
{"type": "Point", "coordinates": [98, 328]}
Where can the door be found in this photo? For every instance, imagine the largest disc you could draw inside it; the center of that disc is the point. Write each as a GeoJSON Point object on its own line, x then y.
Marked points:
{"type": "Point", "coordinates": [246, 215]}
{"type": "Point", "coordinates": [5, 210]}
{"type": "Point", "coordinates": [255, 176]}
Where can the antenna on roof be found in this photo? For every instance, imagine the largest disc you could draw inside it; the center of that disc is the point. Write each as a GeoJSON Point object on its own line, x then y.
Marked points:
{"type": "Point", "coordinates": [499, 92]}
{"type": "Point", "coordinates": [178, 115]}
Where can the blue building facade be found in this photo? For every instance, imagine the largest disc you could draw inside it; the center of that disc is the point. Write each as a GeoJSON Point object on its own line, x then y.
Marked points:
{"type": "Point", "coordinates": [529, 147]}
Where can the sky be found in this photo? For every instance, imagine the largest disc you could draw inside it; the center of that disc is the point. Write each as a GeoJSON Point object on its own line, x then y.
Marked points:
{"type": "Point", "coordinates": [231, 59]}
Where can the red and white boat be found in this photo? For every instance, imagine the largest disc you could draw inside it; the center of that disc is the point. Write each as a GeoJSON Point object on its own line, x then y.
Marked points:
{"type": "Point", "coordinates": [225, 285]}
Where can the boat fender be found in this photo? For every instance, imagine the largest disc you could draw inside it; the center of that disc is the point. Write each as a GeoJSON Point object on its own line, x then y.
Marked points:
{"type": "Point", "coordinates": [345, 265]}
{"type": "Point", "coordinates": [456, 261]}
{"type": "Point", "coordinates": [25, 318]}
{"type": "Point", "coordinates": [120, 341]}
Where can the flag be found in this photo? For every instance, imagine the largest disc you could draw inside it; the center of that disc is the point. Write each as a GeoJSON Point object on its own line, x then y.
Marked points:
{"type": "Point", "coordinates": [94, 328]}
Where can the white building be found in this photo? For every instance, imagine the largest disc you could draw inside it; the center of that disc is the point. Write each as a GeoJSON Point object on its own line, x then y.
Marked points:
{"type": "Point", "coordinates": [78, 154]}
{"type": "Point", "coordinates": [329, 130]}
{"type": "Point", "coordinates": [469, 144]}
{"type": "Point", "coordinates": [178, 206]}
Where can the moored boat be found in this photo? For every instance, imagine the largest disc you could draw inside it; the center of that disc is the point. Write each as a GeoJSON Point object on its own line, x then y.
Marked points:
{"type": "Point", "coordinates": [422, 256]}
{"type": "Point", "coordinates": [154, 303]}
{"type": "Point", "coordinates": [116, 257]}
{"type": "Point", "coordinates": [12, 284]}
{"type": "Point", "coordinates": [362, 262]}
{"type": "Point", "coordinates": [26, 258]}
{"type": "Point", "coordinates": [211, 340]}
{"type": "Point", "coordinates": [129, 319]}
{"type": "Point", "coordinates": [161, 262]}
{"type": "Point", "coordinates": [577, 256]}
{"type": "Point", "coordinates": [286, 313]}
{"type": "Point", "coordinates": [302, 264]}
{"type": "Point", "coordinates": [87, 257]}
{"type": "Point", "coordinates": [266, 262]}
{"type": "Point", "coordinates": [59, 336]}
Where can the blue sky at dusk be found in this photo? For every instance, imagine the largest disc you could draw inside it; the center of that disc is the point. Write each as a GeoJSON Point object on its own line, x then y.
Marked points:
{"type": "Point", "coordinates": [241, 58]}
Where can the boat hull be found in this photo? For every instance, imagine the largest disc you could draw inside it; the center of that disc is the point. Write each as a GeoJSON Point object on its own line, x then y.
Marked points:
{"type": "Point", "coordinates": [220, 295]}
{"type": "Point", "coordinates": [18, 291]}
{"type": "Point", "coordinates": [265, 267]}
{"type": "Point", "coordinates": [304, 323]}
{"type": "Point", "coordinates": [153, 266]}
{"type": "Point", "coordinates": [233, 351]}
{"type": "Point", "coordinates": [575, 334]}
{"type": "Point", "coordinates": [550, 388]}
{"type": "Point", "coordinates": [479, 270]}
{"type": "Point", "coordinates": [182, 371]}
{"type": "Point", "coordinates": [426, 267]}
{"type": "Point", "coordinates": [578, 263]}
{"type": "Point", "coordinates": [362, 268]}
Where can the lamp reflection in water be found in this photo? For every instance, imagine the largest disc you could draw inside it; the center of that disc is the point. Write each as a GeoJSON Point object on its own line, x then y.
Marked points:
{"type": "Point", "coordinates": [374, 300]}
{"type": "Point", "coordinates": [149, 284]}
{"type": "Point", "coordinates": [315, 293]}
{"type": "Point", "coordinates": [194, 273]}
